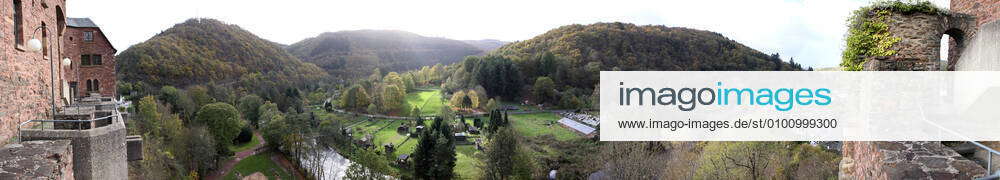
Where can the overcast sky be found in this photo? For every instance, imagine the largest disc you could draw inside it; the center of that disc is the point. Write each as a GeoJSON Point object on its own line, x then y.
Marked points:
{"type": "Point", "coordinates": [811, 31]}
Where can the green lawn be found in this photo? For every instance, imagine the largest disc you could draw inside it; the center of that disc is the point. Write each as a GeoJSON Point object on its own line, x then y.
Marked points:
{"type": "Point", "coordinates": [467, 163]}
{"type": "Point", "coordinates": [345, 119]}
{"type": "Point", "coordinates": [429, 102]}
{"type": "Point", "coordinates": [537, 124]}
{"type": "Point", "coordinates": [369, 127]}
{"type": "Point", "coordinates": [259, 163]}
{"type": "Point", "coordinates": [245, 146]}
{"type": "Point", "coordinates": [407, 148]}
{"type": "Point", "coordinates": [384, 131]}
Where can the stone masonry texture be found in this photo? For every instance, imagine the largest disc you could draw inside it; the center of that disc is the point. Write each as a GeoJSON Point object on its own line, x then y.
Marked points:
{"type": "Point", "coordinates": [986, 11]}
{"type": "Point", "coordinates": [905, 160]}
{"type": "Point", "coordinates": [37, 160]}
{"type": "Point", "coordinates": [98, 153]}
{"type": "Point", "coordinates": [25, 83]}
{"type": "Point", "coordinates": [920, 38]}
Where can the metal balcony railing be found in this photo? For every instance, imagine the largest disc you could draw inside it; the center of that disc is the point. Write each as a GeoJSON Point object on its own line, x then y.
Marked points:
{"type": "Point", "coordinates": [82, 124]}
{"type": "Point", "coordinates": [990, 151]}
{"type": "Point", "coordinates": [989, 161]}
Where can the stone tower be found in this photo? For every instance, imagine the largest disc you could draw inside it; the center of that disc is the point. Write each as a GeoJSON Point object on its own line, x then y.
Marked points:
{"type": "Point", "coordinates": [920, 41]}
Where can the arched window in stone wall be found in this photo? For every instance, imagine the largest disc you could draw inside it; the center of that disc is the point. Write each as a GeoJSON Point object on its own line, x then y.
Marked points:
{"type": "Point", "coordinates": [952, 44]}
{"type": "Point", "coordinates": [60, 21]}
{"type": "Point", "coordinates": [93, 85]}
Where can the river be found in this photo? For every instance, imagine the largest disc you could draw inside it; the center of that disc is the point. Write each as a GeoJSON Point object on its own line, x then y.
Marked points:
{"type": "Point", "coordinates": [334, 165]}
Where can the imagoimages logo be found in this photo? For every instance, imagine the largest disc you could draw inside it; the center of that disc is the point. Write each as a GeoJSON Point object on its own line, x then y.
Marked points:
{"type": "Point", "coordinates": [799, 106]}
{"type": "Point", "coordinates": [688, 99]}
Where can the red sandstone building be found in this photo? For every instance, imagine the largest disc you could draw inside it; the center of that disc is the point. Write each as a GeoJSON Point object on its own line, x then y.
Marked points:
{"type": "Point", "coordinates": [48, 61]}
{"type": "Point", "coordinates": [93, 57]}
{"type": "Point", "coordinates": [985, 11]}
{"type": "Point", "coordinates": [28, 88]}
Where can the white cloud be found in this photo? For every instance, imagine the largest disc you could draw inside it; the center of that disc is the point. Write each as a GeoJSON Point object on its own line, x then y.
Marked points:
{"type": "Point", "coordinates": [811, 31]}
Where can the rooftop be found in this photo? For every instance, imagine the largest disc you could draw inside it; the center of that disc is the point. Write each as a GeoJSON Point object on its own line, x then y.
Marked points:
{"type": "Point", "coordinates": [80, 22]}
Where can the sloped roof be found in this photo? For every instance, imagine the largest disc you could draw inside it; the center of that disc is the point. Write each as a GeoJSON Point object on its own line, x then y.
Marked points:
{"type": "Point", "coordinates": [80, 22]}
{"type": "Point", "coordinates": [87, 23]}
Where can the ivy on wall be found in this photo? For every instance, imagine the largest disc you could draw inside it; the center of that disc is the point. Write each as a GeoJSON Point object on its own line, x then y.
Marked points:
{"type": "Point", "coordinates": [868, 34]}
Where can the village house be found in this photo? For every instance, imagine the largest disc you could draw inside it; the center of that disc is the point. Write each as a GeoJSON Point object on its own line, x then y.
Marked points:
{"type": "Point", "coordinates": [92, 70]}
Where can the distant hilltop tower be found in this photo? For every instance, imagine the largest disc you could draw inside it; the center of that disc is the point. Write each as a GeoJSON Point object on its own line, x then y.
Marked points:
{"type": "Point", "coordinates": [985, 11]}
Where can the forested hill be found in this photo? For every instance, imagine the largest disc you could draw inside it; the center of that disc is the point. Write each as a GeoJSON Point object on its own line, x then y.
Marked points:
{"type": "Point", "coordinates": [486, 45]}
{"type": "Point", "coordinates": [562, 66]}
{"type": "Point", "coordinates": [206, 50]}
{"type": "Point", "coordinates": [357, 53]}
{"type": "Point", "coordinates": [582, 50]}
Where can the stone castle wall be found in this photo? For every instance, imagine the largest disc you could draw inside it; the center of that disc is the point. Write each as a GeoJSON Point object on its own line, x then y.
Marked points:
{"type": "Point", "coordinates": [860, 161]}
{"type": "Point", "coordinates": [921, 33]}
{"type": "Point", "coordinates": [920, 41]}
{"type": "Point", "coordinates": [905, 160]}
{"type": "Point", "coordinates": [37, 160]}
{"type": "Point", "coordinates": [918, 50]}
{"type": "Point", "coordinates": [25, 83]}
{"type": "Point", "coordinates": [98, 153]}
{"type": "Point", "coordinates": [985, 11]}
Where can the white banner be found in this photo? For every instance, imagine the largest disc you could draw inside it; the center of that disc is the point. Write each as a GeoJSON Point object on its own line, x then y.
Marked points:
{"type": "Point", "coordinates": [799, 106]}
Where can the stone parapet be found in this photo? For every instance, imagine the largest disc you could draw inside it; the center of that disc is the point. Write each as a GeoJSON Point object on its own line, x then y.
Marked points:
{"type": "Point", "coordinates": [99, 153]}
{"type": "Point", "coordinates": [37, 160]}
{"type": "Point", "coordinates": [905, 160]}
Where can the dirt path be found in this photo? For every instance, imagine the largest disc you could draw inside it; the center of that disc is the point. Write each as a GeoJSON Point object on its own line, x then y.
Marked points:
{"type": "Point", "coordinates": [239, 156]}
{"type": "Point", "coordinates": [287, 165]}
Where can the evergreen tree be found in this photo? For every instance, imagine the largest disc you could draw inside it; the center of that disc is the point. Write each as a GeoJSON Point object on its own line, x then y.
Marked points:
{"type": "Point", "coordinates": [434, 157]}
{"type": "Point", "coordinates": [498, 119]}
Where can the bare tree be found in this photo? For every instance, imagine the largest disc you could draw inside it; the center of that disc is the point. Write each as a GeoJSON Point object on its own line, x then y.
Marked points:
{"type": "Point", "coordinates": [744, 160]}
{"type": "Point", "coordinates": [635, 160]}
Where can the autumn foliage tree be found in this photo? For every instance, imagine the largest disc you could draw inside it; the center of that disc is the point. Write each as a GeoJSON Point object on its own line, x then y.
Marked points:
{"type": "Point", "coordinates": [393, 98]}
{"type": "Point", "coordinates": [457, 98]}
{"type": "Point", "coordinates": [354, 98]}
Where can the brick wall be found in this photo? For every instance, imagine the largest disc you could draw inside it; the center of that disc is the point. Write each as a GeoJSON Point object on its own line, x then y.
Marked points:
{"type": "Point", "coordinates": [25, 83]}
{"type": "Point", "coordinates": [985, 10]}
{"type": "Point", "coordinates": [862, 160]}
{"type": "Point", "coordinates": [104, 73]}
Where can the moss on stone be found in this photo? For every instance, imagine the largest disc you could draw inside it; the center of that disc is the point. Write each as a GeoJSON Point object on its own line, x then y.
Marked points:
{"type": "Point", "coordinates": [868, 34]}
